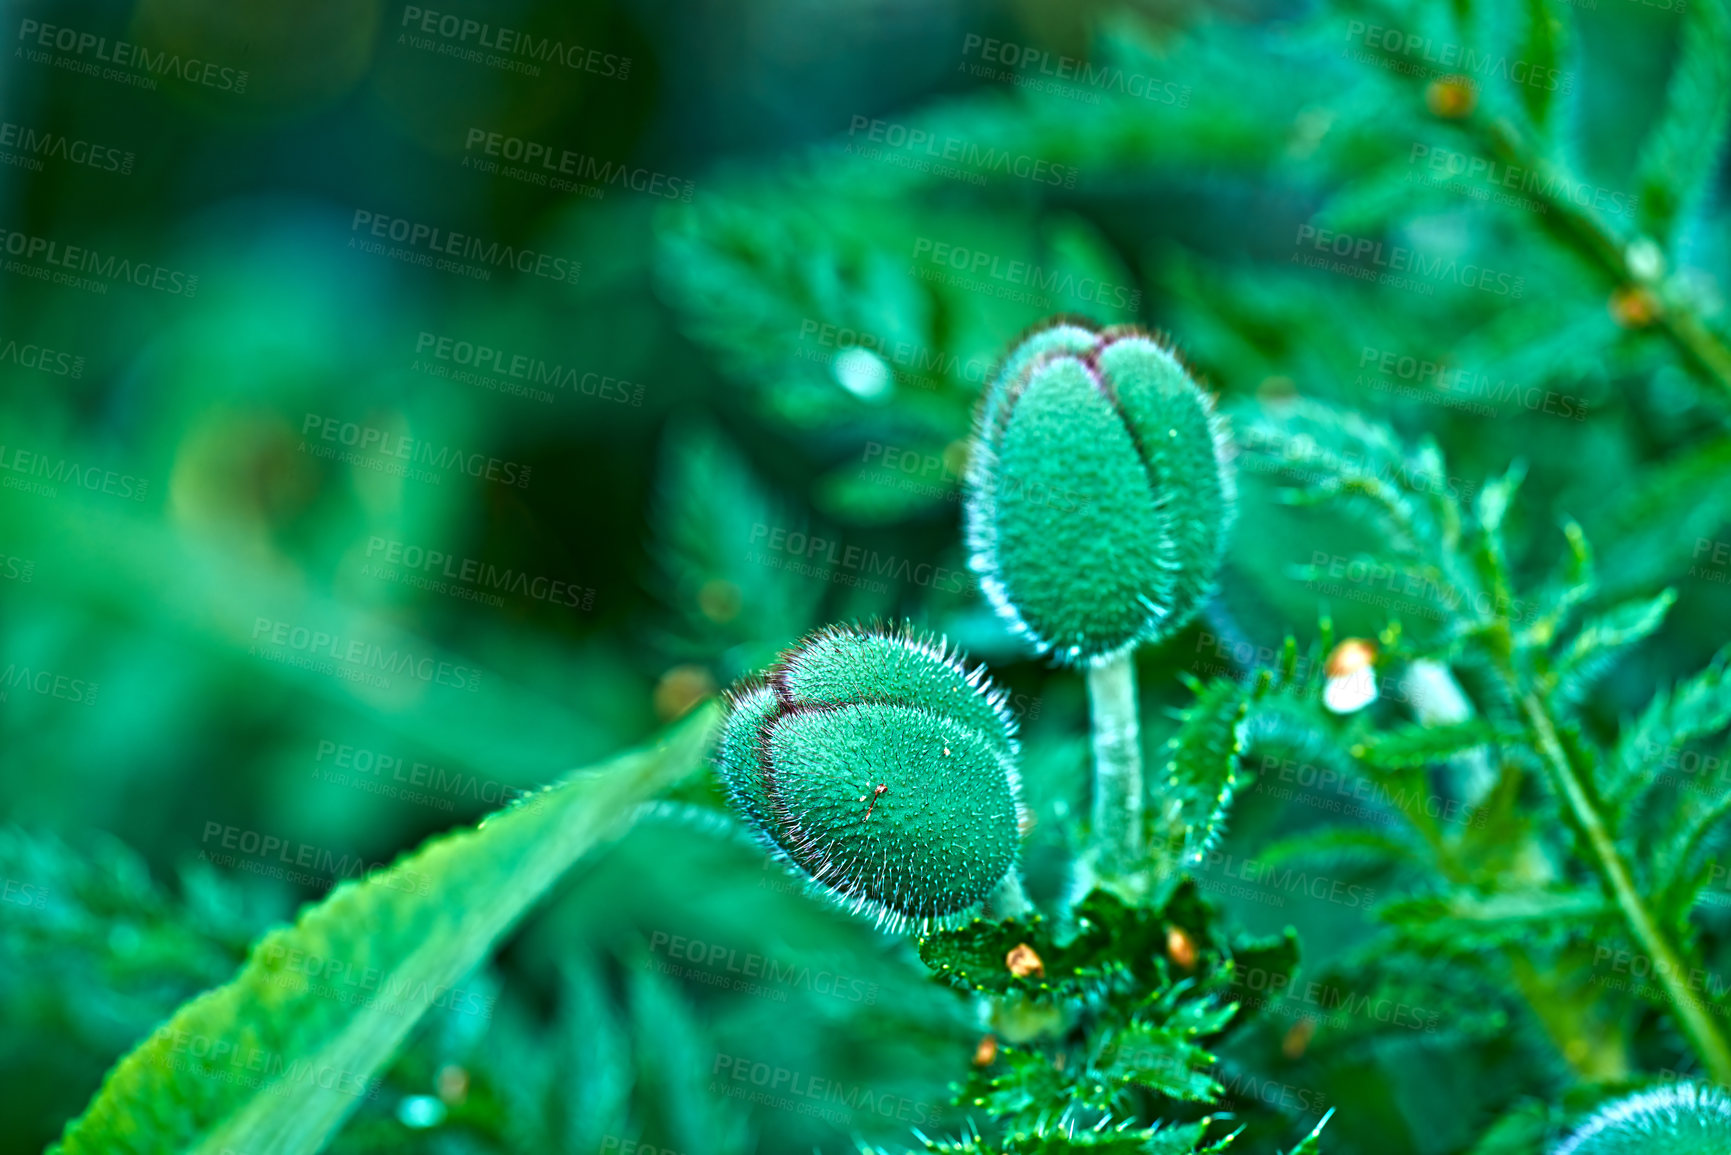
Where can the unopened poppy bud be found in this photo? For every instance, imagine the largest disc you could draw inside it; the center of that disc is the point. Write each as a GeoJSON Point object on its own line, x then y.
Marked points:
{"type": "Point", "coordinates": [1099, 492]}
{"type": "Point", "coordinates": [879, 765]}
{"type": "Point", "coordinates": [1678, 1120]}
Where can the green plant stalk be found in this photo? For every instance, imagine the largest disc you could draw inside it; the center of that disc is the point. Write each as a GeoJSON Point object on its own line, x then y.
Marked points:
{"type": "Point", "coordinates": [1608, 861]}
{"type": "Point", "coordinates": [1587, 231]}
{"type": "Point", "coordinates": [1594, 238]}
{"type": "Point", "coordinates": [1009, 899]}
{"type": "Point", "coordinates": [1118, 850]}
{"type": "Point", "coordinates": [1563, 1019]}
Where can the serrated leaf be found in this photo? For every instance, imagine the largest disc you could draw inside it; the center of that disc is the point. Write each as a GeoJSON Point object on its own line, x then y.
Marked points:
{"type": "Point", "coordinates": [1122, 940]}
{"type": "Point", "coordinates": [1697, 707]}
{"type": "Point", "coordinates": [1338, 455]}
{"type": "Point", "coordinates": [1464, 921]}
{"type": "Point", "coordinates": [1498, 496]}
{"type": "Point", "coordinates": [1021, 1084]}
{"type": "Point", "coordinates": [1119, 950]}
{"type": "Point", "coordinates": [1682, 152]}
{"type": "Point", "coordinates": [975, 956]}
{"type": "Point", "coordinates": [1575, 583]}
{"type": "Point", "coordinates": [715, 529]}
{"type": "Point", "coordinates": [1409, 747]}
{"type": "Point", "coordinates": [1605, 639]}
{"type": "Point", "coordinates": [1159, 1059]}
{"type": "Point", "coordinates": [1066, 1138]}
{"type": "Point", "coordinates": [413, 931]}
{"type": "Point", "coordinates": [1203, 772]}
{"type": "Point", "coordinates": [1692, 821]}
{"type": "Point", "coordinates": [1543, 46]}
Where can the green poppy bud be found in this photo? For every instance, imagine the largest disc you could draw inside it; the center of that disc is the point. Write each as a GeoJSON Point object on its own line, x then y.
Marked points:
{"type": "Point", "coordinates": [1678, 1120]}
{"type": "Point", "coordinates": [875, 762]}
{"type": "Point", "coordinates": [1099, 492]}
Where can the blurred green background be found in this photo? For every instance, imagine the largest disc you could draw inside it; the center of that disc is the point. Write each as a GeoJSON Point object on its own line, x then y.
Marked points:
{"type": "Point", "coordinates": [400, 405]}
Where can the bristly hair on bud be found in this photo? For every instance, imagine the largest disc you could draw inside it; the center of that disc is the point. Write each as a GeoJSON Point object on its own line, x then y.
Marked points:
{"type": "Point", "coordinates": [1099, 491]}
{"type": "Point", "coordinates": [1684, 1119]}
{"type": "Point", "coordinates": [875, 762]}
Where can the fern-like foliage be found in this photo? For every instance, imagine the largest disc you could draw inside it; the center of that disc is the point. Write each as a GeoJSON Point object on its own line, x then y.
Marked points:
{"type": "Point", "coordinates": [1100, 1035]}
{"type": "Point", "coordinates": [1570, 848]}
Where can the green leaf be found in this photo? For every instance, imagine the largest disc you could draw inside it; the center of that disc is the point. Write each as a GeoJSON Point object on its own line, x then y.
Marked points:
{"type": "Point", "coordinates": [1493, 504]}
{"type": "Point", "coordinates": [1573, 584]}
{"type": "Point", "coordinates": [1021, 1085]}
{"type": "Point", "coordinates": [1408, 747]}
{"type": "Point", "coordinates": [1349, 847]}
{"type": "Point", "coordinates": [1692, 820]}
{"type": "Point", "coordinates": [1203, 772]}
{"type": "Point", "coordinates": [973, 957]}
{"type": "Point", "coordinates": [1682, 153]}
{"type": "Point", "coordinates": [1695, 708]}
{"type": "Point", "coordinates": [1337, 455]}
{"type": "Point", "coordinates": [1312, 1144]}
{"type": "Point", "coordinates": [1119, 951]}
{"type": "Point", "coordinates": [1065, 1137]}
{"type": "Point", "coordinates": [715, 529]}
{"type": "Point", "coordinates": [1464, 921]}
{"type": "Point", "coordinates": [1605, 639]}
{"type": "Point", "coordinates": [1543, 46]}
{"type": "Point", "coordinates": [274, 1061]}
{"type": "Point", "coordinates": [1162, 1060]}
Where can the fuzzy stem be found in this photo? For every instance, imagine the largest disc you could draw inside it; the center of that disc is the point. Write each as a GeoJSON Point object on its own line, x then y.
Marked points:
{"type": "Point", "coordinates": [1117, 825]}
{"type": "Point", "coordinates": [1008, 899]}
{"type": "Point", "coordinates": [1608, 861]}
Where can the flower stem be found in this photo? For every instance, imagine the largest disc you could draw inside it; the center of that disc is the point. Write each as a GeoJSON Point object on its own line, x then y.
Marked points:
{"type": "Point", "coordinates": [1703, 349]}
{"type": "Point", "coordinates": [1118, 850]}
{"type": "Point", "coordinates": [1008, 899]}
{"type": "Point", "coordinates": [1608, 861]}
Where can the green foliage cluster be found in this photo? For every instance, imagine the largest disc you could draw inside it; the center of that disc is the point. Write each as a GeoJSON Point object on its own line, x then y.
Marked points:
{"type": "Point", "coordinates": [1465, 324]}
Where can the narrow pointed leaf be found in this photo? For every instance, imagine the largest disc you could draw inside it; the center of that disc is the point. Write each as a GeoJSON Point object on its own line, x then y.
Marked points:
{"type": "Point", "coordinates": [1603, 640]}
{"type": "Point", "coordinates": [1682, 152]}
{"type": "Point", "coordinates": [272, 1062]}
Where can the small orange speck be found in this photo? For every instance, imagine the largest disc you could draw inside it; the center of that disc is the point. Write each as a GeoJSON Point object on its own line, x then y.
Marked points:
{"type": "Point", "coordinates": [1298, 1038]}
{"type": "Point", "coordinates": [453, 1084]}
{"type": "Point", "coordinates": [1180, 948]}
{"type": "Point", "coordinates": [1023, 961]}
{"type": "Point", "coordinates": [1451, 97]}
{"type": "Point", "coordinates": [1633, 307]}
{"type": "Point", "coordinates": [1350, 656]}
{"type": "Point", "coordinates": [681, 688]}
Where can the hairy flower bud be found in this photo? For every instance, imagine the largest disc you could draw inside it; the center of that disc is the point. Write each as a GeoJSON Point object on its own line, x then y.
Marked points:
{"type": "Point", "coordinates": [1679, 1120]}
{"type": "Point", "coordinates": [1099, 491]}
{"type": "Point", "coordinates": [880, 766]}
